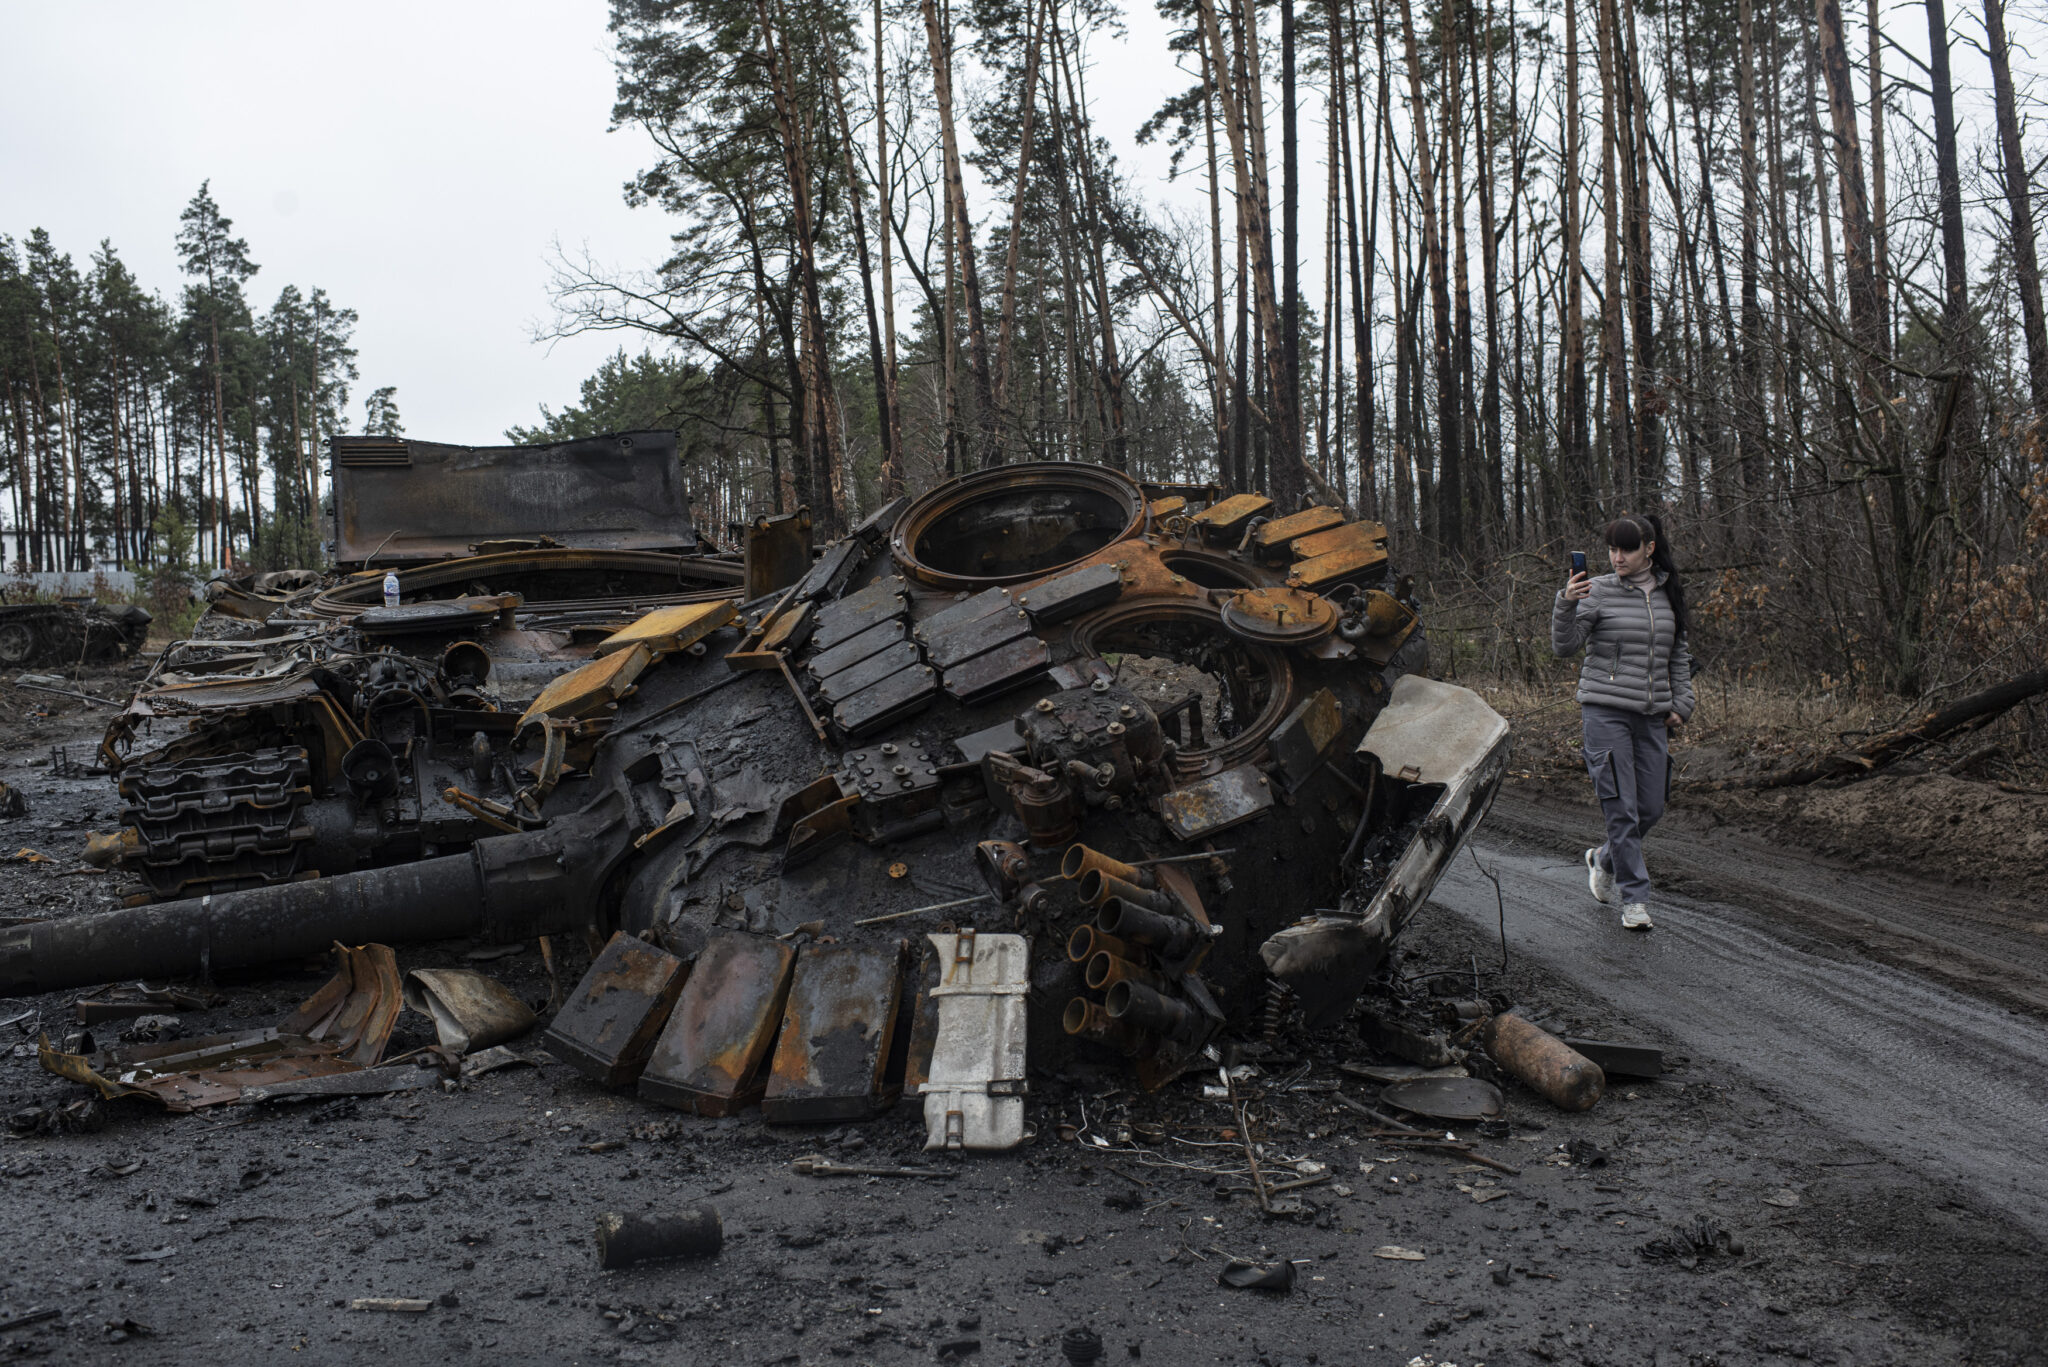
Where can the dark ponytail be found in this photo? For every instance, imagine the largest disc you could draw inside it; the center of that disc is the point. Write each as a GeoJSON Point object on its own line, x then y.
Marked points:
{"type": "Point", "coordinates": [1629, 533]}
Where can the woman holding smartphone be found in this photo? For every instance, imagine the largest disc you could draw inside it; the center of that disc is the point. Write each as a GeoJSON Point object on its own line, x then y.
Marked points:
{"type": "Point", "coordinates": [1635, 684]}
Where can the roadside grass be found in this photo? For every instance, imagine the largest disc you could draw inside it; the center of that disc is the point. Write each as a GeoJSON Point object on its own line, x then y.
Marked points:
{"type": "Point", "coordinates": [1745, 728]}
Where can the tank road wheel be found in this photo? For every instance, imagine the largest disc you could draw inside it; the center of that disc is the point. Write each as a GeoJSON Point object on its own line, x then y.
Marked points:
{"type": "Point", "coordinates": [17, 643]}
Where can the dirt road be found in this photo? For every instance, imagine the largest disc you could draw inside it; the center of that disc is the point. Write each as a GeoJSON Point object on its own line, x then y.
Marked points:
{"type": "Point", "coordinates": [1770, 969]}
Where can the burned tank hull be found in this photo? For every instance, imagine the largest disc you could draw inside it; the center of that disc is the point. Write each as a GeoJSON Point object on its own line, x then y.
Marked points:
{"type": "Point", "coordinates": [1180, 742]}
{"type": "Point", "coordinates": [69, 634]}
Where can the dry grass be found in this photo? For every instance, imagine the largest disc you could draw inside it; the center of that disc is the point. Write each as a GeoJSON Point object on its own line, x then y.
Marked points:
{"type": "Point", "coordinates": [1747, 728]}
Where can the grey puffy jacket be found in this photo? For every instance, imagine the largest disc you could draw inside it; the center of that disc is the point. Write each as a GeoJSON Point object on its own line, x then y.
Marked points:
{"type": "Point", "coordinates": [1635, 659]}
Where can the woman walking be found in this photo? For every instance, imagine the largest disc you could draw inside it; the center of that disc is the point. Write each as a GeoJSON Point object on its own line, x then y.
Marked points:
{"type": "Point", "coordinates": [1635, 685]}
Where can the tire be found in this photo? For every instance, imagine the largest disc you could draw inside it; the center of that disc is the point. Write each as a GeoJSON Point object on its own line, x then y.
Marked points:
{"type": "Point", "coordinates": [17, 643]}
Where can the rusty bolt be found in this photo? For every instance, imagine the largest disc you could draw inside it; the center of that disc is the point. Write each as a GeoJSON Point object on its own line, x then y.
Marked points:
{"type": "Point", "coordinates": [888, 749]}
{"type": "Point", "coordinates": [1045, 704]}
{"type": "Point", "coordinates": [1099, 686]}
{"type": "Point", "coordinates": [899, 770]}
{"type": "Point", "coordinates": [1127, 711]}
{"type": "Point", "coordinates": [1117, 728]}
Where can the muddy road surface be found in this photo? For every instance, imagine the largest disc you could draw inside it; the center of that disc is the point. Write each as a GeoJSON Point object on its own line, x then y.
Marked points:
{"type": "Point", "coordinates": [1855, 1075]}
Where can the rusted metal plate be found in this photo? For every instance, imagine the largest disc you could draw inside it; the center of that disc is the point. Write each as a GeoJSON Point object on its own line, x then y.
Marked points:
{"type": "Point", "coordinates": [1002, 736]}
{"type": "Point", "coordinates": [869, 672]}
{"type": "Point", "coordinates": [612, 1019]}
{"type": "Point", "coordinates": [970, 609]}
{"type": "Point", "coordinates": [887, 702]}
{"type": "Point", "coordinates": [1225, 521]}
{"type": "Point", "coordinates": [969, 639]}
{"type": "Point", "coordinates": [667, 630]}
{"type": "Point", "coordinates": [1071, 594]}
{"type": "Point", "coordinates": [777, 552]}
{"type": "Point", "coordinates": [1301, 741]}
{"type": "Point", "coordinates": [187, 1074]}
{"type": "Point", "coordinates": [849, 653]}
{"type": "Point", "coordinates": [398, 500]}
{"type": "Point", "coordinates": [838, 1026]}
{"type": "Point", "coordinates": [356, 1008]}
{"type": "Point", "coordinates": [1216, 803]}
{"type": "Point", "coordinates": [1348, 537]}
{"type": "Point", "coordinates": [1348, 563]}
{"type": "Point", "coordinates": [1163, 508]}
{"type": "Point", "coordinates": [881, 601]}
{"type": "Point", "coordinates": [445, 614]}
{"type": "Point", "coordinates": [1279, 616]}
{"type": "Point", "coordinates": [1274, 535]}
{"type": "Point", "coordinates": [999, 670]}
{"type": "Point", "coordinates": [590, 687]}
{"type": "Point", "coordinates": [712, 1058]}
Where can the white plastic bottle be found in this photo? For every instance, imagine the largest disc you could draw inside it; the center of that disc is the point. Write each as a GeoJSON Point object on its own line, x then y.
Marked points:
{"type": "Point", "coordinates": [391, 588]}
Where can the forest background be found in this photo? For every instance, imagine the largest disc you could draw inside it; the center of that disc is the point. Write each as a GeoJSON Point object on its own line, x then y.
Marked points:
{"type": "Point", "coordinates": [1490, 271]}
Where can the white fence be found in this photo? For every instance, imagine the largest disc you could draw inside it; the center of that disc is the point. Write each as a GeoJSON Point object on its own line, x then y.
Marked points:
{"type": "Point", "coordinates": [69, 583]}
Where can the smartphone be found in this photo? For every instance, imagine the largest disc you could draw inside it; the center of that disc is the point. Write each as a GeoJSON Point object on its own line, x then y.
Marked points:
{"type": "Point", "coordinates": [1578, 562]}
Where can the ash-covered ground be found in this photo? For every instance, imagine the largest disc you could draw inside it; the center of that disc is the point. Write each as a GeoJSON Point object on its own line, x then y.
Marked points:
{"type": "Point", "coordinates": [1873, 1208]}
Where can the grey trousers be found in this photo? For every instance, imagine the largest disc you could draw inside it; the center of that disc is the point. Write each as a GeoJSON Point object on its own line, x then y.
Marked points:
{"type": "Point", "coordinates": [1629, 757]}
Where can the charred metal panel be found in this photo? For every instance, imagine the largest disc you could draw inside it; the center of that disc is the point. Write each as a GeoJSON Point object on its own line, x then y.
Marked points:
{"type": "Point", "coordinates": [1301, 742]}
{"type": "Point", "coordinates": [838, 1028]}
{"type": "Point", "coordinates": [712, 1057]}
{"type": "Point", "coordinates": [616, 1013]}
{"type": "Point", "coordinates": [1070, 595]}
{"type": "Point", "coordinates": [849, 653]}
{"type": "Point", "coordinates": [968, 639]}
{"type": "Point", "coordinates": [1216, 803]}
{"type": "Point", "coordinates": [999, 670]}
{"type": "Point", "coordinates": [869, 672]}
{"type": "Point", "coordinates": [888, 702]}
{"type": "Point", "coordinates": [1002, 736]}
{"type": "Point", "coordinates": [827, 579]}
{"type": "Point", "coordinates": [403, 502]}
{"type": "Point", "coordinates": [970, 609]}
{"type": "Point", "coordinates": [881, 601]}
{"type": "Point", "coordinates": [898, 785]}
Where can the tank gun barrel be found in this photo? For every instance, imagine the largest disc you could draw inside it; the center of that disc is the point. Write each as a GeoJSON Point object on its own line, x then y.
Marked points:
{"type": "Point", "coordinates": [508, 887]}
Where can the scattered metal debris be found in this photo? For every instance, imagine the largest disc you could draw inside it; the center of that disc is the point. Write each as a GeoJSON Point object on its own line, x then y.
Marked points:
{"type": "Point", "coordinates": [623, 1240]}
{"type": "Point", "coordinates": [1693, 1242]}
{"type": "Point", "coordinates": [554, 732]}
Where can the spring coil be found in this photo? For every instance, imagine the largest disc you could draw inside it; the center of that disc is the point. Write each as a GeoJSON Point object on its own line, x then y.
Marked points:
{"type": "Point", "coordinates": [1273, 1016]}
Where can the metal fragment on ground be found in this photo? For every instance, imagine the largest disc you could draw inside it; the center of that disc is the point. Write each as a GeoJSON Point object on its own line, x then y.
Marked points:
{"type": "Point", "coordinates": [1445, 1098]}
{"type": "Point", "coordinates": [712, 1058]}
{"type": "Point", "coordinates": [838, 1025]}
{"type": "Point", "coordinates": [975, 1084]}
{"type": "Point", "coordinates": [644, 1236]}
{"type": "Point", "coordinates": [470, 1010]}
{"type": "Point", "coordinates": [608, 1027]}
{"type": "Point", "coordinates": [1204, 808]}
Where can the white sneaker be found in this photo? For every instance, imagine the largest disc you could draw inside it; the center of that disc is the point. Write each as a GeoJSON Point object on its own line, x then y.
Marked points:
{"type": "Point", "coordinates": [1599, 879]}
{"type": "Point", "coordinates": [1636, 916]}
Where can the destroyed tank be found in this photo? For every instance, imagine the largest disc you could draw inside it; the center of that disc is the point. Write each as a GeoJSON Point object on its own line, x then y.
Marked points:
{"type": "Point", "coordinates": [70, 633]}
{"type": "Point", "coordinates": [1177, 740]}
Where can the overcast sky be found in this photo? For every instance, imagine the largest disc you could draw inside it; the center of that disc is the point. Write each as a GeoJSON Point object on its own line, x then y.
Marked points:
{"type": "Point", "coordinates": [417, 161]}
